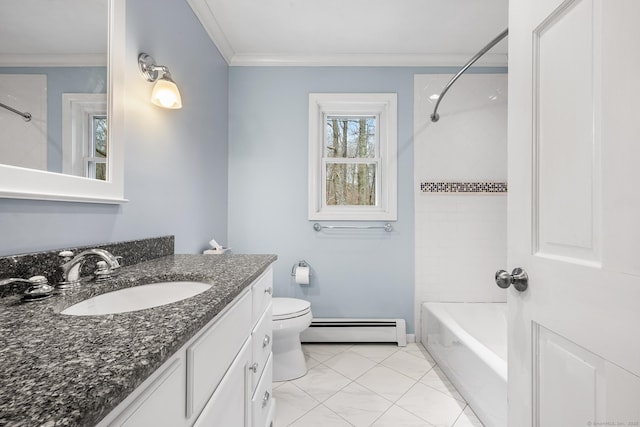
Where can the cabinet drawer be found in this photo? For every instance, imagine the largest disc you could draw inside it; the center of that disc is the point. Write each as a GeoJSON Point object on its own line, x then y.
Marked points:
{"type": "Point", "coordinates": [261, 342]}
{"type": "Point", "coordinates": [229, 403]}
{"type": "Point", "coordinates": [271, 416]}
{"type": "Point", "coordinates": [262, 398]}
{"type": "Point", "coordinates": [209, 357]}
{"type": "Point", "coordinates": [262, 290]}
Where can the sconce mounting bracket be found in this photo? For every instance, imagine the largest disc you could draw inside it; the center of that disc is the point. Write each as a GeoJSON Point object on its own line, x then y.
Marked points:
{"type": "Point", "coordinates": [148, 68]}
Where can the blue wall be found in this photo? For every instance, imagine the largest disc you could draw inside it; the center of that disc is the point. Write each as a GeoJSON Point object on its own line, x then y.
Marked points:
{"type": "Point", "coordinates": [356, 274]}
{"type": "Point", "coordinates": [175, 161]}
{"type": "Point", "coordinates": [62, 80]}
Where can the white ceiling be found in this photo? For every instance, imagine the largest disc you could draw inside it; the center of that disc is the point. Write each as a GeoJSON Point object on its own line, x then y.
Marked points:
{"type": "Point", "coordinates": [53, 32]}
{"type": "Point", "coordinates": [274, 32]}
{"type": "Point", "coordinates": [354, 32]}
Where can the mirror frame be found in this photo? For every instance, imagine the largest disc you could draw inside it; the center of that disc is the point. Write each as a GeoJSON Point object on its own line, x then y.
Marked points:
{"type": "Point", "coordinates": [22, 183]}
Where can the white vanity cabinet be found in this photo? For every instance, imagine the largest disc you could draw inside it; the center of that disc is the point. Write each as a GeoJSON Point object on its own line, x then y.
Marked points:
{"type": "Point", "coordinates": [221, 377]}
{"type": "Point", "coordinates": [262, 404]}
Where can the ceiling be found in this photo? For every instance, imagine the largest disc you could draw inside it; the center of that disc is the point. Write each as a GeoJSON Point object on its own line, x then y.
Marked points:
{"type": "Point", "coordinates": [53, 32]}
{"type": "Point", "coordinates": [354, 32]}
{"type": "Point", "coordinates": [276, 32]}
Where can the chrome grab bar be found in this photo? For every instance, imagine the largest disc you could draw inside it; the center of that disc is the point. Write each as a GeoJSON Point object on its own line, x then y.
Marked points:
{"type": "Point", "coordinates": [387, 227]}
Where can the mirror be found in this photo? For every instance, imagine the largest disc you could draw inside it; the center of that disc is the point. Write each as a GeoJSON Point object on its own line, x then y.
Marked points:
{"type": "Point", "coordinates": [61, 60]}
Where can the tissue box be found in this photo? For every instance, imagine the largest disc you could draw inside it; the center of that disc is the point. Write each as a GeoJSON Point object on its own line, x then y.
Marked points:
{"type": "Point", "coordinates": [217, 251]}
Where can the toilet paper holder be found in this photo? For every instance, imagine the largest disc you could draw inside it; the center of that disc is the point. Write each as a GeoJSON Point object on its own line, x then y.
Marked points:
{"type": "Point", "coordinates": [301, 263]}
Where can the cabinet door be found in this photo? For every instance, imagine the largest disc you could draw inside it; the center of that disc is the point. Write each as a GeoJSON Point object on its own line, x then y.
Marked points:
{"type": "Point", "coordinates": [229, 405]}
{"type": "Point", "coordinates": [161, 403]}
{"type": "Point", "coordinates": [209, 357]}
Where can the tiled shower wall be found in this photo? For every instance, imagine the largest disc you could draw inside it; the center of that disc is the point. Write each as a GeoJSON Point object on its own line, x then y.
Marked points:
{"type": "Point", "coordinates": [460, 172]}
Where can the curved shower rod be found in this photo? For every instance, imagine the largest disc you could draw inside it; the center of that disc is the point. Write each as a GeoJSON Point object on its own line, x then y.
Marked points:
{"type": "Point", "coordinates": [435, 116]}
{"type": "Point", "coordinates": [26, 116]}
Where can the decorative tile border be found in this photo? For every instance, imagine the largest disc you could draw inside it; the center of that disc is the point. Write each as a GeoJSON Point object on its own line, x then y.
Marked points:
{"type": "Point", "coordinates": [463, 187]}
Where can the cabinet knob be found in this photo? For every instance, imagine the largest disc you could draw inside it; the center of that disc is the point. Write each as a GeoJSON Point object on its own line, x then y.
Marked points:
{"type": "Point", "coordinates": [268, 291]}
{"type": "Point", "coordinates": [266, 341]}
{"type": "Point", "coordinates": [265, 399]}
{"type": "Point", "coordinates": [254, 368]}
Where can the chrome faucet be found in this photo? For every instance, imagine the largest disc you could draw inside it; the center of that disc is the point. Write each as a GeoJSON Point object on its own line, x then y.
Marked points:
{"type": "Point", "coordinates": [72, 266]}
{"type": "Point", "coordinates": [39, 287]}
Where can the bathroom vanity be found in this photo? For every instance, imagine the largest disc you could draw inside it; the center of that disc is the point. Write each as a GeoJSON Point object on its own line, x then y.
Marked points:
{"type": "Point", "coordinates": [221, 376]}
{"type": "Point", "coordinates": [201, 361]}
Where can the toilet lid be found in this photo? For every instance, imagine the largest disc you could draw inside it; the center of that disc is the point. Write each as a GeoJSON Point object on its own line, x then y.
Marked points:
{"type": "Point", "coordinates": [286, 308]}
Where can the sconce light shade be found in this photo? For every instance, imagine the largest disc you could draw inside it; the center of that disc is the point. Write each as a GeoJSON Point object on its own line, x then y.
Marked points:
{"type": "Point", "coordinates": [165, 92]}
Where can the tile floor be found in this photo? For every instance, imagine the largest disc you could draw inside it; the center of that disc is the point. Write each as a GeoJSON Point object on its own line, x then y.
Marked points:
{"type": "Point", "coordinates": [380, 385]}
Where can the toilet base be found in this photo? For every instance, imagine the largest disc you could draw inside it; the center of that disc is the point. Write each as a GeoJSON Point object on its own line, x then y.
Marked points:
{"type": "Point", "coordinates": [288, 359]}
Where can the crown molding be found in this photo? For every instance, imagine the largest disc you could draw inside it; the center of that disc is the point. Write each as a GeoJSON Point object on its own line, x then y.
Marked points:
{"type": "Point", "coordinates": [208, 20]}
{"type": "Point", "coordinates": [366, 60]}
{"type": "Point", "coordinates": [58, 60]}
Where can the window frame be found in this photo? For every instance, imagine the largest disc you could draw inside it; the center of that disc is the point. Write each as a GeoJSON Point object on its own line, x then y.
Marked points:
{"type": "Point", "coordinates": [383, 106]}
{"type": "Point", "coordinates": [78, 109]}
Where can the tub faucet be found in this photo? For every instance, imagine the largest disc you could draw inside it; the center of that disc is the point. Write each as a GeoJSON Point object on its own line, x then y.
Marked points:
{"type": "Point", "coordinates": [72, 266]}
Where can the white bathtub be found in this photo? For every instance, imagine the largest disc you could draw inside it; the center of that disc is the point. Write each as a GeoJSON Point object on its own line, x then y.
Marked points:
{"type": "Point", "coordinates": [469, 343]}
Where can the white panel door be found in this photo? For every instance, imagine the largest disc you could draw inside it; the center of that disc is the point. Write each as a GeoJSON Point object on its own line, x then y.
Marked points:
{"type": "Point", "coordinates": [574, 212]}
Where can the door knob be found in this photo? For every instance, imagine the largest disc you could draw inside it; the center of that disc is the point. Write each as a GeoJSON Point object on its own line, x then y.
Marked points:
{"type": "Point", "coordinates": [518, 278]}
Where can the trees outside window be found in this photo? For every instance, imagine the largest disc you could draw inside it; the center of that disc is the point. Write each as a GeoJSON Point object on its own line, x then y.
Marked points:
{"type": "Point", "coordinates": [352, 156]}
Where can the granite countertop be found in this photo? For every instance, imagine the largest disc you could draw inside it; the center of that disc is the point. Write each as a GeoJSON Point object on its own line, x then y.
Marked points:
{"type": "Point", "coordinates": [60, 370]}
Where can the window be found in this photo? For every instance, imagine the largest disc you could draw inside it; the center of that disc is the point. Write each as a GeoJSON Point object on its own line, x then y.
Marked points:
{"type": "Point", "coordinates": [84, 140]}
{"type": "Point", "coordinates": [352, 156]}
{"type": "Point", "coordinates": [95, 164]}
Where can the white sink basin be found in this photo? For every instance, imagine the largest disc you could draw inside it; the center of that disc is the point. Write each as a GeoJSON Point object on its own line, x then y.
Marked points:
{"type": "Point", "coordinates": [136, 298]}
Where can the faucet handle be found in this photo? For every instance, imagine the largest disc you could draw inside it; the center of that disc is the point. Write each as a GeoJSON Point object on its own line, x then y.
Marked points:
{"type": "Point", "coordinates": [39, 289]}
{"type": "Point", "coordinates": [66, 256]}
{"type": "Point", "coordinates": [103, 272]}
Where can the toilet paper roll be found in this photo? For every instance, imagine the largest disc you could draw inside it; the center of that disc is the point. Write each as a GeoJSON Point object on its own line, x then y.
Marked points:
{"type": "Point", "coordinates": [302, 275]}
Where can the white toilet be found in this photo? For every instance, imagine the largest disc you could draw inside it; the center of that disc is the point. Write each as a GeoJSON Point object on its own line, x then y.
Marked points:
{"type": "Point", "coordinates": [290, 316]}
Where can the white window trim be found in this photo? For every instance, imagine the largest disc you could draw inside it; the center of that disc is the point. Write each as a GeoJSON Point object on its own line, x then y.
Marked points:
{"type": "Point", "coordinates": [76, 110]}
{"type": "Point", "coordinates": [382, 105]}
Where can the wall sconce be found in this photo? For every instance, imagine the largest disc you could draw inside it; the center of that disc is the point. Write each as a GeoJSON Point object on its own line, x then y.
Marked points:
{"type": "Point", "coordinates": [165, 92]}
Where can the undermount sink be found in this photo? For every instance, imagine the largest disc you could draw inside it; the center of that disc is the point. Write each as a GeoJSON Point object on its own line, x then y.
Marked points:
{"type": "Point", "coordinates": [136, 298]}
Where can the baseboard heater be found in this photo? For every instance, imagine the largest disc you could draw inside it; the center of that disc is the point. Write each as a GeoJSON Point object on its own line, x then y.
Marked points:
{"type": "Point", "coordinates": [356, 330]}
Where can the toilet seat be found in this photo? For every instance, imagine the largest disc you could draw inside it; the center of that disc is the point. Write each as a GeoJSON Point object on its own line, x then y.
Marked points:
{"type": "Point", "coordinates": [289, 308]}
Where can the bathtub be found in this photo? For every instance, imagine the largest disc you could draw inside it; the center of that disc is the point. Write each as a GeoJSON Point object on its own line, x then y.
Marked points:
{"type": "Point", "coordinates": [469, 343]}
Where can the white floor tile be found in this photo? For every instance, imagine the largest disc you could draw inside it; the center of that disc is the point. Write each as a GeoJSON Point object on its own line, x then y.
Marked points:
{"type": "Point", "coordinates": [322, 352]}
{"type": "Point", "coordinates": [408, 364]}
{"type": "Point", "coordinates": [321, 382]}
{"type": "Point", "coordinates": [386, 382]}
{"type": "Point", "coordinates": [350, 364]}
{"type": "Point", "coordinates": [292, 403]}
{"type": "Point", "coordinates": [375, 352]}
{"type": "Point", "coordinates": [358, 405]}
{"type": "Point", "coordinates": [356, 384]}
{"type": "Point", "coordinates": [468, 419]}
{"type": "Point", "coordinates": [320, 416]}
{"type": "Point", "coordinates": [417, 349]}
{"type": "Point", "coordinates": [311, 362]}
{"type": "Point", "coordinates": [398, 417]}
{"type": "Point", "coordinates": [431, 405]}
{"type": "Point", "coordinates": [435, 378]}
